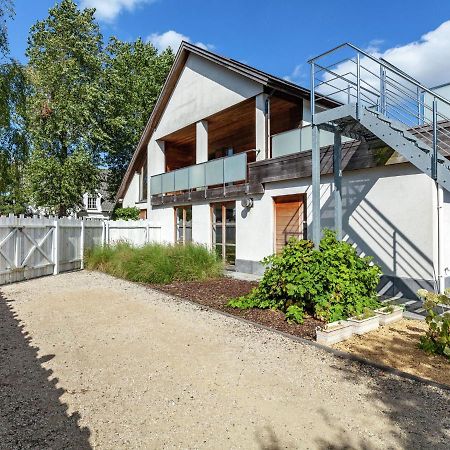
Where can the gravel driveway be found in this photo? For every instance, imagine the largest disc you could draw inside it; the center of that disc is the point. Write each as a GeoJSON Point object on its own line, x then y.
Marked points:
{"type": "Point", "coordinates": [89, 361]}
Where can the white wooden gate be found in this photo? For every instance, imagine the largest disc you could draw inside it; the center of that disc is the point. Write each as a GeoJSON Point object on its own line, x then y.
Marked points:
{"type": "Point", "coordinates": [32, 247]}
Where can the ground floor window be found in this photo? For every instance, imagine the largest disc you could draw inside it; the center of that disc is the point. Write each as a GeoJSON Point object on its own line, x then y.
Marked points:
{"type": "Point", "coordinates": [224, 230]}
{"type": "Point", "coordinates": [290, 219]}
{"type": "Point", "coordinates": [183, 224]}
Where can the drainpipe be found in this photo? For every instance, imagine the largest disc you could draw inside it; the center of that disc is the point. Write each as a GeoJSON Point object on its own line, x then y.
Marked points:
{"type": "Point", "coordinates": [440, 241]}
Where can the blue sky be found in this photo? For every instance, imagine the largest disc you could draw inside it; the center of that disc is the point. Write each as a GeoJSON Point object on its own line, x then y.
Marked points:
{"type": "Point", "coordinates": [275, 36]}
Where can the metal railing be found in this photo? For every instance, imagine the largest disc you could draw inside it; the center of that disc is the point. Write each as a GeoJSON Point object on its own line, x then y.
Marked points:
{"type": "Point", "coordinates": [220, 171]}
{"type": "Point", "coordinates": [347, 74]}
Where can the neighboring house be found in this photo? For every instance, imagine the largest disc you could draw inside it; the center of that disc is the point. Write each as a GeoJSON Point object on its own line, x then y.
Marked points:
{"type": "Point", "coordinates": [97, 206]}
{"type": "Point", "coordinates": [225, 161]}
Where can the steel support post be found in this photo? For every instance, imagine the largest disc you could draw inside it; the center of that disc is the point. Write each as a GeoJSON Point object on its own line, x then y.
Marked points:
{"type": "Point", "coordinates": [337, 171]}
{"type": "Point", "coordinates": [316, 232]}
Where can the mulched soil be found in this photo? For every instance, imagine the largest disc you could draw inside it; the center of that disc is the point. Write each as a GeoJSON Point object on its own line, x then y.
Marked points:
{"type": "Point", "coordinates": [216, 294]}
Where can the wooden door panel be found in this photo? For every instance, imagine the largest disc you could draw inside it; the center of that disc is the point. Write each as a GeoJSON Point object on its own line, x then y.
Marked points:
{"type": "Point", "coordinates": [289, 216]}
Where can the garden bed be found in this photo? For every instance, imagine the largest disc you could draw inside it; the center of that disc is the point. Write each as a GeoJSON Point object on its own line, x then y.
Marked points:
{"type": "Point", "coordinates": [396, 346]}
{"type": "Point", "coordinates": [216, 293]}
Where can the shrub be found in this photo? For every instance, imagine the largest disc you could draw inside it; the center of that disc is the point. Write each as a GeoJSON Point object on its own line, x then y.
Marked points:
{"type": "Point", "coordinates": [437, 337]}
{"type": "Point", "coordinates": [131, 213]}
{"type": "Point", "coordinates": [155, 263]}
{"type": "Point", "coordinates": [330, 283]}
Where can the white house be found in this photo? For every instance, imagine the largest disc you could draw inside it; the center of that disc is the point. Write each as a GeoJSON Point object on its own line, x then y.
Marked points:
{"type": "Point", "coordinates": [97, 205]}
{"type": "Point", "coordinates": [225, 160]}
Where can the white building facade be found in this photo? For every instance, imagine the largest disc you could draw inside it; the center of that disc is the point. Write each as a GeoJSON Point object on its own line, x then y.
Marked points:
{"type": "Point", "coordinates": [225, 161]}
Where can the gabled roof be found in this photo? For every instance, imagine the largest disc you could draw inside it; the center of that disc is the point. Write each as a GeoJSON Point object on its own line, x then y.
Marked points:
{"type": "Point", "coordinates": [270, 82]}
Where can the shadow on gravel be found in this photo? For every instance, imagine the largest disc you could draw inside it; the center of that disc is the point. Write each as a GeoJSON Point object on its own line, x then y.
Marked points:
{"type": "Point", "coordinates": [421, 412]}
{"type": "Point", "coordinates": [31, 413]}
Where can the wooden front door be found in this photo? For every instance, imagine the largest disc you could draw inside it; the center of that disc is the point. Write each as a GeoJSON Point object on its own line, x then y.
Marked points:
{"type": "Point", "coordinates": [289, 219]}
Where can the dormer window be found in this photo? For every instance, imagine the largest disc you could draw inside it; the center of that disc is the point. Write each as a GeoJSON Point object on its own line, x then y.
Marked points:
{"type": "Point", "coordinates": [92, 202]}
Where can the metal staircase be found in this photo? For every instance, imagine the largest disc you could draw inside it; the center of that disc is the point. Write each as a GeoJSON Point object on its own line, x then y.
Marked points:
{"type": "Point", "coordinates": [377, 101]}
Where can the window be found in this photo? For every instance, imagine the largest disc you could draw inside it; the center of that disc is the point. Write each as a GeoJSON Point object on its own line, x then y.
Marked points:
{"type": "Point", "coordinates": [224, 231]}
{"type": "Point", "coordinates": [92, 202]}
{"type": "Point", "coordinates": [143, 183]}
{"type": "Point", "coordinates": [183, 224]}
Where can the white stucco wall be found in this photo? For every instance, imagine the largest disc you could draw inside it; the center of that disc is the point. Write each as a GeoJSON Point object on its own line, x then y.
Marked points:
{"type": "Point", "coordinates": [261, 127]}
{"type": "Point", "coordinates": [202, 89]}
{"type": "Point", "coordinates": [165, 217]}
{"type": "Point", "coordinates": [131, 196]}
{"type": "Point", "coordinates": [388, 214]}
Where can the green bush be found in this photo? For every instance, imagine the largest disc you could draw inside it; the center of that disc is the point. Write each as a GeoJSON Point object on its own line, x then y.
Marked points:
{"type": "Point", "coordinates": [330, 283]}
{"type": "Point", "coordinates": [437, 337]}
{"type": "Point", "coordinates": [155, 263]}
{"type": "Point", "coordinates": [131, 213]}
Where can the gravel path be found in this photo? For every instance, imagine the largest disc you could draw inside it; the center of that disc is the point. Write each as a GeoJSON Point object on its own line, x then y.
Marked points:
{"type": "Point", "coordinates": [89, 361]}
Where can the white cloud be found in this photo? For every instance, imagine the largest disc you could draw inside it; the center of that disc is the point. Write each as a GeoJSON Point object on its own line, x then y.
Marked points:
{"type": "Point", "coordinates": [173, 40]}
{"type": "Point", "coordinates": [297, 75]}
{"type": "Point", "coordinates": [108, 10]}
{"type": "Point", "coordinates": [427, 60]}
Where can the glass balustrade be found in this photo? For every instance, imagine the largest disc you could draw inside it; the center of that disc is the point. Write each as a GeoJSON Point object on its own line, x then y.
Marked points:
{"type": "Point", "coordinates": [299, 140]}
{"type": "Point", "coordinates": [229, 169]}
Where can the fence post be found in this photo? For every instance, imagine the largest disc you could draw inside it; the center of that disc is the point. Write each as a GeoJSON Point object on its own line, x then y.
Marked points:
{"type": "Point", "coordinates": [82, 244]}
{"type": "Point", "coordinates": [107, 233]}
{"type": "Point", "coordinates": [17, 243]}
{"type": "Point", "coordinates": [56, 247]}
{"type": "Point", "coordinates": [147, 228]}
{"type": "Point", "coordinates": [103, 232]}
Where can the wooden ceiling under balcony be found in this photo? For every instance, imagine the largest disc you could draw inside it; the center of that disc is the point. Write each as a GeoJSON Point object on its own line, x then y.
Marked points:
{"type": "Point", "coordinates": [235, 127]}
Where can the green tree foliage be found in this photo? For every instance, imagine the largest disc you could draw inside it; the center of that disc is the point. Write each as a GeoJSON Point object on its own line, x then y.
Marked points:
{"type": "Point", "coordinates": [84, 104]}
{"type": "Point", "coordinates": [54, 183]}
{"type": "Point", "coordinates": [330, 283]}
{"type": "Point", "coordinates": [131, 213]}
{"type": "Point", "coordinates": [65, 109]}
{"type": "Point", "coordinates": [14, 141]}
{"type": "Point", "coordinates": [6, 11]}
{"type": "Point", "coordinates": [134, 76]}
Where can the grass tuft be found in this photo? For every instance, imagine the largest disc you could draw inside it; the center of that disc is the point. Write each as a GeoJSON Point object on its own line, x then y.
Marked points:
{"type": "Point", "coordinates": [155, 263]}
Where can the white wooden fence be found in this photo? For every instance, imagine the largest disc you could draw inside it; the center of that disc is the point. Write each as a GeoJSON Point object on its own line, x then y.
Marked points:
{"type": "Point", "coordinates": [31, 247]}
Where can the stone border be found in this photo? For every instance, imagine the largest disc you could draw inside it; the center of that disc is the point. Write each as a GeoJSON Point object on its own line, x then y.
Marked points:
{"type": "Point", "coordinates": [337, 353]}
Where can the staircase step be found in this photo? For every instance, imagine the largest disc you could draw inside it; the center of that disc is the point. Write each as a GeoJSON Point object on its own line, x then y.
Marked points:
{"type": "Point", "coordinates": [422, 146]}
{"type": "Point", "coordinates": [371, 124]}
{"type": "Point", "coordinates": [409, 137]}
{"type": "Point", "coordinates": [394, 127]}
